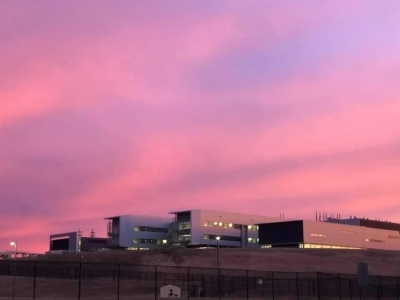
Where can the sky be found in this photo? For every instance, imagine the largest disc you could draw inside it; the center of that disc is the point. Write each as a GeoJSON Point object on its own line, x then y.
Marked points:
{"type": "Point", "coordinates": [146, 107]}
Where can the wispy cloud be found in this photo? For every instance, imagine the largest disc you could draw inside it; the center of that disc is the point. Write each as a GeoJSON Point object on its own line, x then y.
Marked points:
{"type": "Point", "coordinates": [149, 106]}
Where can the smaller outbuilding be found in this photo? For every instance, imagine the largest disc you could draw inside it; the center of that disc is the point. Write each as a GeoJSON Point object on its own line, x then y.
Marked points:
{"type": "Point", "coordinates": [170, 291]}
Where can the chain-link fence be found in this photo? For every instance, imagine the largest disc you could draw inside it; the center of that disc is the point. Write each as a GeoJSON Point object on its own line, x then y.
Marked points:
{"type": "Point", "coordinates": [58, 280]}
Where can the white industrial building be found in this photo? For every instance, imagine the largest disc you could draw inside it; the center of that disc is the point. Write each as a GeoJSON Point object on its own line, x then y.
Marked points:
{"type": "Point", "coordinates": [200, 228]}
{"type": "Point", "coordinates": [331, 234]}
{"type": "Point", "coordinates": [138, 232]}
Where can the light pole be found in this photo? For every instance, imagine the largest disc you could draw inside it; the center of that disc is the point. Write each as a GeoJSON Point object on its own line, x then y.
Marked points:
{"type": "Point", "coordinates": [218, 238]}
{"type": "Point", "coordinates": [218, 271]}
{"type": "Point", "coordinates": [14, 244]}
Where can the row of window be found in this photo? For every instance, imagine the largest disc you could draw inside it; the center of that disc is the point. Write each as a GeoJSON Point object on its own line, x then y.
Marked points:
{"type": "Point", "coordinates": [184, 237]}
{"type": "Point", "coordinates": [150, 241]}
{"type": "Point", "coordinates": [252, 240]}
{"type": "Point", "coordinates": [134, 248]}
{"type": "Point", "coordinates": [183, 225]}
{"type": "Point", "coordinates": [222, 237]}
{"type": "Point", "coordinates": [350, 232]}
{"type": "Point", "coordinates": [150, 229]}
{"type": "Point", "coordinates": [229, 225]}
{"type": "Point", "coordinates": [317, 246]}
{"type": "Point", "coordinates": [374, 240]}
{"type": "Point", "coordinates": [324, 235]}
{"type": "Point", "coordinates": [221, 224]}
{"type": "Point", "coordinates": [318, 234]}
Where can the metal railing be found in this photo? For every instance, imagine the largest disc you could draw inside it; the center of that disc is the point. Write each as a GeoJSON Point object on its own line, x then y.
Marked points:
{"type": "Point", "coordinates": [51, 280]}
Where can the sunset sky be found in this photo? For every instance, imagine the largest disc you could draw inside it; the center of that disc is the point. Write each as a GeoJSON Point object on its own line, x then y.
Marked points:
{"type": "Point", "coordinates": [145, 107]}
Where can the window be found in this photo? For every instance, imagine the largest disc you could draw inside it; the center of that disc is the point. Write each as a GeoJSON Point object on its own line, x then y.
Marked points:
{"type": "Point", "coordinates": [348, 232]}
{"type": "Point", "coordinates": [318, 234]}
{"type": "Point", "coordinates": [164, 241]}
{"type": "Point", "coordinates": [252, 227]}
{"type": "Point", "coordinates": [374, 240]}
{"type": "Point", "coordinates": [150, 229]}
{"type": "Point", "coordinates": [224, 225]}
{"type": "Point", "coordinates": [236, 226]}
{"type": "Point", "coordinates": [184, 225]}
{"type": "Point", "coordinates": [252, 240]}
{"type": "Point", "coordinates": [146, 241]}
{"type": "Point", "coordinates": [394, 237]}
{"type": "Point", "coordinates": [318, 246]}
{"type": "Point", "coordinates": [184, 237]}
{"type": "Point", "coordinates": [222, 237]}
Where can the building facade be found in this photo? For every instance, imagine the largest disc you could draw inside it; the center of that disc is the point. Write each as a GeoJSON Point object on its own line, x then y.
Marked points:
{"type": "Point", "coordinates": [135, 232]}
{"type": "Point", "coordinates": [74, 242]}
{"type": "Point", "coordinates": [203, 228]}
{"type": "Point", "coordinates": [311, 234]}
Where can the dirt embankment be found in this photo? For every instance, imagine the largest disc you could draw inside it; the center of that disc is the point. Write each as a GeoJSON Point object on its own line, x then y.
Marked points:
{"type": "Point", "coordinates": [284, 260]}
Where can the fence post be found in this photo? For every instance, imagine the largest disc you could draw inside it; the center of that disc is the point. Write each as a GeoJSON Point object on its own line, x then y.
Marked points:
{"type": "Point", "coordinates": [351, 290]}
{"type": "Point", "coordinates": [119, 271]}
{"type": "Point", "coordinates": [247, 284]}
{"type": "Point", "coordinates": [155, 282]}
{"type": "Point", "coordinates": [318, 295]}
{"type": "Point", "coordinates": [340, 289]}
{"type": "Point", "coordinates": [188, 283]}
{"type": "Point", "coordinates": [80, 281]}
{"type": "Point", "coordinates": [297, 285]}
{"type": "Point", "coordinates": [34, 281]}
{"type": "Point", "coordinates": [273, 286]}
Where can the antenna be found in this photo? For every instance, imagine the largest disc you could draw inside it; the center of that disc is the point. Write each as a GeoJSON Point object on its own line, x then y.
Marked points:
{"type": "Point", "coordinates": [92, 233]}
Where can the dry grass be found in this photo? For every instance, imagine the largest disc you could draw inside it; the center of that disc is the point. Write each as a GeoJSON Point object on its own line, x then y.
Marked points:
{"type": "Point", "coordinates": [284, 260]}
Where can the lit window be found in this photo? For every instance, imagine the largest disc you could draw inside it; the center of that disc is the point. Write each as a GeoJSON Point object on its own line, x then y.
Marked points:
{"type": "Point", "coordinates": [206, 237]}
{"type": "Point", "coordinates": [348, 232]}
{"type": "Point", "coordinates": [249, 227]}
{"type": "Point", "coordinates": [374, 240]}
{"type": "Point", "coordinates": [249, 240]}
{"type": "Point", "coordinates": [164, 241]}
{"type": "Point", "coordinates": [136, 228]}
{"type": "Point", "coordinates": [220, 224]}
{"type": "Point", "coordinates": [136, 241]}
{"type": "Point", "coordinates": [318, 234]}
{"type": "Point", "coordinates": [215, 223]}
{"type": "Point", "coordinates": [225, 225]}
{"type": "Point", "coordinates": [206, 223]}
{"type": "Point", "coordinates": [230, 225]}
